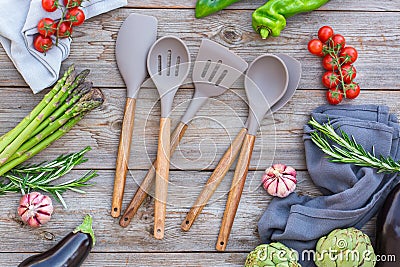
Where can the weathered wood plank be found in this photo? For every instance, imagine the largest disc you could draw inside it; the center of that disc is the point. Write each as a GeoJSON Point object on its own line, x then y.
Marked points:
{"type": "Point", "coordinates": [146, 259]}
{"type": "Point", "coordinates": [374, 32]}
{"type": "Point", "coordinates": [253, 4]}
{"type": "Point", "coordinates": [94, 43]}
{"type": "Point", "coordinates": [138, 236]}
{"type": "Point", "coordinates": [206, 139]}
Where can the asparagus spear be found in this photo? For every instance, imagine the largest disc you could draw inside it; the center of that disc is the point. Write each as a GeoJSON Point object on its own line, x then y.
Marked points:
{"type": "Point", "coordinates": [82, 89]}
{"type": "Point", "coordinates": [96, 96]}
{"type": "Point", "coordinates": [46, 111]}
{"type": "Point", "coordinates": [42, 145]}
{"type": "Point", "coordinates": [89, 101]}
{"type": "Point", "coordinates": [7, 138]}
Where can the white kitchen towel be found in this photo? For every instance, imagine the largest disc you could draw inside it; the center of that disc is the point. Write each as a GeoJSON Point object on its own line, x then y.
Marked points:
{"type": "Point", "coordinates": [18, 26]}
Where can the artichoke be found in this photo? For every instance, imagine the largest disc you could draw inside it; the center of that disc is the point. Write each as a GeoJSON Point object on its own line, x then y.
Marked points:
{"type": "Point", "coordinates": [273, 254]}
{"type": "Point", "coordinates": [345, 248]}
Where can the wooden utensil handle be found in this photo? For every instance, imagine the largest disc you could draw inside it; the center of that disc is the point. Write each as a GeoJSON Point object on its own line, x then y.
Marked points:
{"type": "Point", "coordinates": [124, 150]}
{"type": "Point", "coordinates": [147, 182]}
{"type": "Point", "coordinates": [235, 193]}
{"type": "Point", "coordinates": [215, 179]}
{"type": "Point", "coordinates": [162, 172]}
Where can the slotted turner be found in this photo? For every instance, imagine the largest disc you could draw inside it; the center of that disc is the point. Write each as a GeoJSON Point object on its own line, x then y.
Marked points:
{"type": "Point", "coordinates": [215, 70]}
{"type": "Point", "coordinates": [168, 63]}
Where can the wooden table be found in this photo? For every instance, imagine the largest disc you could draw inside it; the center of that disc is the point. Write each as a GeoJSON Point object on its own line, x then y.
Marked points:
{"type": "Point", "coordinates": [370, 26]}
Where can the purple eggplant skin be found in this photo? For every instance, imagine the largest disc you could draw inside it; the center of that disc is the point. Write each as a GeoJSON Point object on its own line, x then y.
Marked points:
{"type": "Point", "coordinates": [388, 229]}
{"type": "Point", "coordinates": [71, 251]}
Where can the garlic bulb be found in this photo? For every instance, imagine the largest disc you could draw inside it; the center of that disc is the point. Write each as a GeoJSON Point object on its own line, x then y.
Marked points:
{"type": "Point", "coordinates": [279, 180]}
{"type": "Point", "coordinates": [35, 209]}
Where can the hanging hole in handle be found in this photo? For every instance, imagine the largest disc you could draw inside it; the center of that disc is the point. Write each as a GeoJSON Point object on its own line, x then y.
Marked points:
{"type": "Point", "coordinates": [221, 243]}
{"type": "Point", "coordinates": [115, 209]}
{"type": "Point", "coordinates": [126, 219]}
{"type": "Point", "coordinates": [158, 230]}
{"type": "Point", "coordinates": [187, 222]}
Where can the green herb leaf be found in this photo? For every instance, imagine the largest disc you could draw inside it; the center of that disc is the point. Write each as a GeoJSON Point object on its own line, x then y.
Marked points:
{"type": "Point", "coordinates": [347, 150]}
{"type": "Point", "coordinates": [40, 176]}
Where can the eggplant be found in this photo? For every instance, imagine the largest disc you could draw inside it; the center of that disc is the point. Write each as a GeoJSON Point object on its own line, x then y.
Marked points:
{"type": "Point", "coordinates": [388, 230]}
{"type": "Point", "coordinates": [71, 251]}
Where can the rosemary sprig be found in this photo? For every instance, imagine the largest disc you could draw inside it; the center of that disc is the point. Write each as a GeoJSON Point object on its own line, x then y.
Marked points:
{"type": "Point", "coordinates": [345, 149]}
{"type": "Point", "coordinates": [39, 176]}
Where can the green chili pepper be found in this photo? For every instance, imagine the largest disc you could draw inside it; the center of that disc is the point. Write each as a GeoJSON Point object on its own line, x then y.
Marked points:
{"type": "Point", "coordinates": [207, 7]}
{"type": "Point", "coordinates": [270, 19]}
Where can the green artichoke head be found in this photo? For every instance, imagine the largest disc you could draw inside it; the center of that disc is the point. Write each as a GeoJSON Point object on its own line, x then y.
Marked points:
{"type": "Point", "coordinates": [345, 247]}
{"type": "Point", "coordinates": [273, 254]}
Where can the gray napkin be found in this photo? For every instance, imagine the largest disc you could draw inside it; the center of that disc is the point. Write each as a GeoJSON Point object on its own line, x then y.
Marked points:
{"type": "Point", "coordinates": [352, 195]}
{"type": "Point", "coordinates": [18, 22]}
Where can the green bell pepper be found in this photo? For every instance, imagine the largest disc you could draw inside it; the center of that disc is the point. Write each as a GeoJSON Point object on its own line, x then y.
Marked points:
{"type": "Point", "coordinates": [208, 7]}
{"type": "Point", "coordinates": [270, 19]}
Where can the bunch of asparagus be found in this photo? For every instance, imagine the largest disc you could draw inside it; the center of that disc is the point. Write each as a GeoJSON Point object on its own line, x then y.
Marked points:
{"type": "Point", "coordinates": [60, 109]}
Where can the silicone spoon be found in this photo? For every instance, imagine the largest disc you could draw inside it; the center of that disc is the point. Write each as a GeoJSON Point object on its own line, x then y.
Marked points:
{"type": "Point", "coordinates": [265, 83]}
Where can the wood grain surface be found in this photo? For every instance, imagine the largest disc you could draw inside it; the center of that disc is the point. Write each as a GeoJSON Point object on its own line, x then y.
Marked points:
{"type": "Point", "coordinates": [148, 181]}
{"type": "Point", "coordinates": [162, 173]}
{"type": "Point", "coordinates": [373, 27]}
{"type": "Point", "coordinates": [215, 179]}
{"type": "Point", "coordinates": [123, 155]}
{"type": "Point", "coordinates": [235, 192]}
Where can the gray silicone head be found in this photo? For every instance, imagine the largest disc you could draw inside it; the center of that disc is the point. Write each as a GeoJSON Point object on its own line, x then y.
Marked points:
{"type": "Point", "coordinates": [168, 63]}
{"type": "Point", "coordinates": [135, 37]}
{"type": "Point", "coordinates": [265, 83]}
{"type": "Point", "coordinates": [294, 69]}
{"type": "Point", "coordinates": [215, 70]}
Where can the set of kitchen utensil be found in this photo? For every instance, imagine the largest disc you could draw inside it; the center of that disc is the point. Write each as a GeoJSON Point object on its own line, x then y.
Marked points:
{"type": "Point", "coordinates": [270, 82]}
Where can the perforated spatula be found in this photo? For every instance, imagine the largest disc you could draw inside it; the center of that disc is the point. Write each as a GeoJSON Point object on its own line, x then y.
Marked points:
{"type": "Point", "coordinates": [168, 63]}
{"type": "Point", "coordinates": [215, 70]}
{"type": "Point", "coordinates": [135, 37]}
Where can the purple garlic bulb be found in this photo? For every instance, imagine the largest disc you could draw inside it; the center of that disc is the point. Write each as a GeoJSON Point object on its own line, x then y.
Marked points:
{"type": "Point", "coordinates": [279, 180]}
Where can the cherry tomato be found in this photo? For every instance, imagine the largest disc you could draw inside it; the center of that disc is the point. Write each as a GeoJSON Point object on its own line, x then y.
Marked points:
{"type": "Point", "coordinates": [352, 90]}
{"type": "Point", "coordinates": [330, 79]}
{"type": "Point", "coordinates": [348, 55]}
{"type": "Point", "coordinates": [337, 40]}
{"type": "Point", "coordinates": [72, 3]}
{"type": "Point", "coordinates": [349, 73]}
{"type": "Point", "coordinates": [49, 5]}
{"type": "Point", "coordinates": [329, 63]}
{"type": "Point", "coordinates": [334, 96]}
{"type": "Point", "coordinates": [315, 47]}
{"type": "Point", "coordinates": [47, 27]}
{"type": "Point", "coordinates": [42, 44]}
{"type": "Point", "coordinates": [75, 16]}
{"type": "Point", "coordinates": [324, 33]}
{"type": "Point", "coordinates": [64, 29]}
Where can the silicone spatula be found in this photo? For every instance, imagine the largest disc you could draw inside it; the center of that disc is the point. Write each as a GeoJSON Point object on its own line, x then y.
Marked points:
{"type": "Point", "coordinates": [135, 37]}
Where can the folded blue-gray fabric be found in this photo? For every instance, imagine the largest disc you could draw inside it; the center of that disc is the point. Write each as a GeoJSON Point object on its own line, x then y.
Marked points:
{"type": "Point", "coordinates": [351, 195]}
